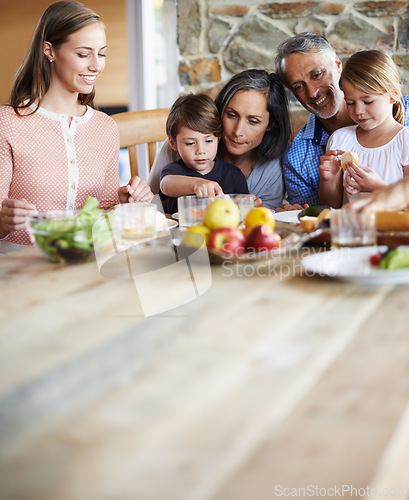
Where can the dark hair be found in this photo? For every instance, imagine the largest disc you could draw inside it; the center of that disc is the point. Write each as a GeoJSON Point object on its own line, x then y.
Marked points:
{"type": "Point", "coordinates": [56, 24]}
{"type": "Point", "coordinates": [375, 73]}
{"type": "Point", "coordinates": [195, 111]}
{"type": "Point", "coordinates": [302, 43]}
{"type": "Point", "coordinates": [278, 133]}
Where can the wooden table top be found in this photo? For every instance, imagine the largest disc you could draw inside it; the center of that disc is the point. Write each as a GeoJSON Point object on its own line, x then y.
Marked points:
{"type": "Point", "coordinates": [269, 384]}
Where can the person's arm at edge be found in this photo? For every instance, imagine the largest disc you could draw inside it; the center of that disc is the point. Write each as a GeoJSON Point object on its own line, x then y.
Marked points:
{"type": "Point", "coordinates": [392, 197]}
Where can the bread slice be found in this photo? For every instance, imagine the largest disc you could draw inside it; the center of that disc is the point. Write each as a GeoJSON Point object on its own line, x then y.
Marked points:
{"type": "Point", "coordinates": [347, 157]}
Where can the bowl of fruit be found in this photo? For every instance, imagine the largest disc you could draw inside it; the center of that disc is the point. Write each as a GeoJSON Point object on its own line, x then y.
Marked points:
{"type": "Point", "coordinates": [66, 236]}
{"type": "Point", "coordinates": [229, 240]}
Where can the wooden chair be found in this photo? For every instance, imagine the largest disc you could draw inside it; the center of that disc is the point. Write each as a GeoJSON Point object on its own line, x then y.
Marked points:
{"type": "Point", "coordinates": [141, 127]}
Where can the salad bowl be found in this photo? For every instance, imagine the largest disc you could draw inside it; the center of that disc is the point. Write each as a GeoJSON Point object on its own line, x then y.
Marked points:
{"type": "Point", "coordinates": [66, 236]}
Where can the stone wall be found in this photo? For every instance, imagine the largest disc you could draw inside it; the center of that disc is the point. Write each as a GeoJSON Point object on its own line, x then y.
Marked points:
{"type": "Point", "coordinates": [218, 38]}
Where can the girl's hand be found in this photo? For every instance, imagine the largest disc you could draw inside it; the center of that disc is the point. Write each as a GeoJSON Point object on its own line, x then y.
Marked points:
{"type": "Point", "coordinates": [135, 191]}
{"type": "Point", "coordinates": [361, 179]}
{"type": "Point", "coordinates": [206, 188]}
{"type": "Point", "coordinates": [330, 165]}
{"type": "Point", "coordinates": [13, 215]}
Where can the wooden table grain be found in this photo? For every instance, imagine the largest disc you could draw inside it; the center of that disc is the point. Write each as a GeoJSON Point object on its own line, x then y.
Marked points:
{"type": "Point", "coordinates": [271, 384]}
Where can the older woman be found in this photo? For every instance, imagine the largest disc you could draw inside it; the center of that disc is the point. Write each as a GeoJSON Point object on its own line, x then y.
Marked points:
{"type": "Point", "coordinates": [255, 135]}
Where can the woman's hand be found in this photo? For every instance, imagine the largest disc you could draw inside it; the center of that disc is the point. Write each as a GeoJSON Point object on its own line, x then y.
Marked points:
{"type": "Point", "coordinates": [258, 202]}
{"type": "Point", "coordinates": [205, 188]}
{"type": "Point", "coordinates": [136, 190]}
{"type": "Point", "coordinates": [13, 215]}
{"type": "Point", "coordinates": [361, 179]}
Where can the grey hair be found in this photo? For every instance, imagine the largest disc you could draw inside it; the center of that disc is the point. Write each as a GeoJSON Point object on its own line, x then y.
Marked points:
{"type": "Point", "coordinates": [302, 43]}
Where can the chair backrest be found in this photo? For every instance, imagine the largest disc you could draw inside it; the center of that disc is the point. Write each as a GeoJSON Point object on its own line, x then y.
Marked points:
{"type": "Point", "coordinates": [141, 127]}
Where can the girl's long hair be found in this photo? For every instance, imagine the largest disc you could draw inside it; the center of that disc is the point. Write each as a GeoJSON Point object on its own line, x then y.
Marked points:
{"type": "Point", "coordinates": [375, 73]}
{"type": "Point", "coordinates": [33, 77]}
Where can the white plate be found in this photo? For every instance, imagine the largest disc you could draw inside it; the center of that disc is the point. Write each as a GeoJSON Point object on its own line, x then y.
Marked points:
{"type": "Point", "coordinates": [353, 264]}
{"type": "Point", "coordinates": [288, 216]}
{"type": "Point", "coordinates": [162, 222]}
{"type": "Point", "coordinates": [176, 215]}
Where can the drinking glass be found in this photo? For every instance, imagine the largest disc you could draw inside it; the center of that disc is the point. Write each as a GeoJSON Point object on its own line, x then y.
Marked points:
{"type": "Point", "coordinates": [245, 202]}
{"type": "Point", "coordinates": [192, 209]}
{"type": "Point", "coordinates": [350, 228]}
{"type": "Point", "coordinates": [137, 221]}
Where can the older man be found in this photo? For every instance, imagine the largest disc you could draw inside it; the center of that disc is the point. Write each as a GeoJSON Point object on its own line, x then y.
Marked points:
{"type": "Point", "coordinates": [310, 68]}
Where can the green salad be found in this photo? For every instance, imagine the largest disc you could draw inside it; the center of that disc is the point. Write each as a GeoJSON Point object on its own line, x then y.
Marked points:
{"type": "Point", "coordinates": [396, 258]}
{"type": "Point", "coordinates": [69, 239]}
{"type": "Point", "coordinates": [391, 259]}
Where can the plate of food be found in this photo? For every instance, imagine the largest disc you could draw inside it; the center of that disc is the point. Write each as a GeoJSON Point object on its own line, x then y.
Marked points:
{"type": "Point", "coordinates": [372, 265]}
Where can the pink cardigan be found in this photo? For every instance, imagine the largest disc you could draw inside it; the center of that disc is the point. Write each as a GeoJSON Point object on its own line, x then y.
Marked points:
{"type": "Point", "coordinates": [56, 166]}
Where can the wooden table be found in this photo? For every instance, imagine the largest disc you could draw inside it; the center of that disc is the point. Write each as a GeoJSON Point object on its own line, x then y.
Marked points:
{"type": "Point", "coordinates": [269, 380]}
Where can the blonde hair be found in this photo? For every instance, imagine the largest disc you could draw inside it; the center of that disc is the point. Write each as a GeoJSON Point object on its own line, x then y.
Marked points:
{"type": "Point", "coordinates": [374, 72]}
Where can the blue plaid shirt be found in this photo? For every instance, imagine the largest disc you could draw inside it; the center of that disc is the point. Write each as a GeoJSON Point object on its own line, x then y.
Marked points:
{"type": "Point", "coordinates": [301, 162]}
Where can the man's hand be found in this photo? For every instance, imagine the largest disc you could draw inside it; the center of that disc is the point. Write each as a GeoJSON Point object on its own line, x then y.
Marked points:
{"type": "Point", "coordinates": [286, 207]}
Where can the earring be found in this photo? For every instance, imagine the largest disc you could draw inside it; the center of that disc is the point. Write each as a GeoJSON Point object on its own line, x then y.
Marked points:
{"type": "Point", "coordinates": [51, 60]}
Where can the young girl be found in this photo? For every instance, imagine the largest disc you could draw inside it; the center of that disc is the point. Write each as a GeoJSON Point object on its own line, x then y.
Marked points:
{"type": "Point", "coordinates": [371, 87]}
{"type": "Point", "coordinates": [55, 148]}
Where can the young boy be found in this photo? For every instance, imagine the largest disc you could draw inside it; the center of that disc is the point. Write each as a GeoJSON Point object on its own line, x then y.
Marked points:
{"type": "Point", "coordinates": [193, 128]}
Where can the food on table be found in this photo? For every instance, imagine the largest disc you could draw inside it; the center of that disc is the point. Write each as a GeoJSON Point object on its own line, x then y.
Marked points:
{"type": "Point", "coordinates": [391, 259]}
{"type": "Point", "coordinates": [308, 222]}
{"type": "Point", "coordinates": [67, 239]}
{"type": "Point", "coordinates": [349, 156]}
{"type": "Point", "coordinates": [190, 237]}
{"type": "Point", "coordinates": [262, 238]}
{"type": "Point", "coordinates": [222, 234]}
{"type": "Point", "coordinates": [309, 217]}
{"type": "Point", "coordinates": [222, 212]}
{"type": "Point", "coordinates": [259, 216]}
{"type": "Point", "coordinates": [229, 240]}
{"type": "Point", "coordinates": [314, 211]}
{"type": "Point", "coordinates": [392, 221]}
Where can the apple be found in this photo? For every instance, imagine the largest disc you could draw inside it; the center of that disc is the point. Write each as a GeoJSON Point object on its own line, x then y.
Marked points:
{"type": "Point", "coordinates": [259, 216]}
{"type": "Point", "coordinates": [229, 240]}
{"type": "Point", "coordinates": [222, 212]}
{"type": "Point", "coordinates": [191, 237]}
{"type": "Point", "coordinates": [262, 238]}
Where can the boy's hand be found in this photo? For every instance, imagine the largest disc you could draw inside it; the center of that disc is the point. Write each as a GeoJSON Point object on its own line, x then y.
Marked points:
{"type": "Point", "coordinates": [205, 188]}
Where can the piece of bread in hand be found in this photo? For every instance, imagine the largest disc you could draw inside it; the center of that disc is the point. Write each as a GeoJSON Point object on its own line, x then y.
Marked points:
{"type": "Point", "coordinates": [347, 157]}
